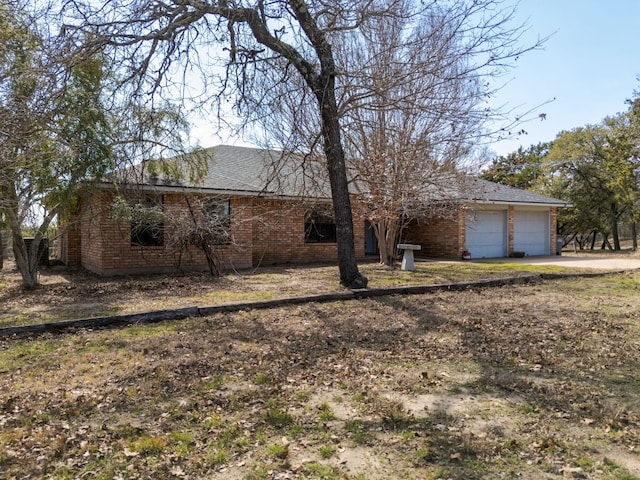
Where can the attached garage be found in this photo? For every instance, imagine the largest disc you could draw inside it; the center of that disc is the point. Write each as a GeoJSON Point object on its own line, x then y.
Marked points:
{"type": "Point", "coordinates": [492, 221]}
{"type": "Point", "coordinates": [531, 232]}
{"type": "Point", "coordinates": [486, 233]}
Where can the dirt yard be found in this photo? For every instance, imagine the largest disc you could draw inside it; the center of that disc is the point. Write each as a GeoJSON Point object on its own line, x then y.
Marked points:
{"type": "Point", "coordinates": [75, 294]}
{"type": "Point", "coordinates": [537, 381]}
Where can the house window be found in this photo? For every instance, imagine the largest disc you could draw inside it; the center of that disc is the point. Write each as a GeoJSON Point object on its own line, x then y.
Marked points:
{"type": "Point", "coordinates": [319, 227]}
{"type": "Point", "coordinates": [218, 219]}
{"type": "Point", "coordinates": [147, 225]}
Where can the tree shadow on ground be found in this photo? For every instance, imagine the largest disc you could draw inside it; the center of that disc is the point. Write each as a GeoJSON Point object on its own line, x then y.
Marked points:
{"type": "Point", "coordinates": [540, 369]}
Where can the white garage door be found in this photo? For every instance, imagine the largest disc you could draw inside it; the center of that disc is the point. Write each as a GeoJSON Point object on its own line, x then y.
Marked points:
{"type": "Point", "coordinates": [531, 232]}
{"type": "Point", "coordinates": [486, 234]}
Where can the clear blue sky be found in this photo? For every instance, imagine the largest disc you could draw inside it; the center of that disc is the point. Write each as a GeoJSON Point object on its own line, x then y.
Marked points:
{"type": "Point", "coordinates": [590, 65]}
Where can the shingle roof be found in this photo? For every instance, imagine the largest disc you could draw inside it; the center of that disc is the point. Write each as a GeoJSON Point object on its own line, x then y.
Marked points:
{"type": "Point", "coordinates": [477, 190]}
{"type": "Point", "coordinates": [245, 170]}
{"type": "Point", "coordinates": [255, 171]}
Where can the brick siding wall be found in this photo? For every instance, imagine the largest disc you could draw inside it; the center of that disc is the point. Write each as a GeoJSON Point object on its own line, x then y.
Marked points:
{"type": "Point", "coordinates": [68, 244]}
{"type": "Point", "coordinates": [553, 228]}
{"type": "Point", "coordinates": [91, 229]}
{"type": "Point", "coordinates": [107, 250]}
{"type": "Point", "coordinates": [264, 232]}
{"type": "Point", "coordinates": [278, 235]}
{"type": "Point", "coordinates": [510, 229]}
{"type": "Point", "coordinates": [439, 236]}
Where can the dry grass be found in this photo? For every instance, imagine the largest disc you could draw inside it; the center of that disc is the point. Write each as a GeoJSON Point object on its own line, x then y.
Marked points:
{"type": "Point", "coordinates": [65, 295]}
{"type": "Point", "coordinates": [535, 381]}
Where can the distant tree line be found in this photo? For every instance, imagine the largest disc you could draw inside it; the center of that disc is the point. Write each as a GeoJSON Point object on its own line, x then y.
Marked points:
{"type": "Point", "coordinates": [594, 167]}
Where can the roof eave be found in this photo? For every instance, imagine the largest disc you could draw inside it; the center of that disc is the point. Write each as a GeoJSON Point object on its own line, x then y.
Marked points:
{"type": "Point", "coordinates": [524, 204]}
{"type": "Point", "coordinates": [213, 191]}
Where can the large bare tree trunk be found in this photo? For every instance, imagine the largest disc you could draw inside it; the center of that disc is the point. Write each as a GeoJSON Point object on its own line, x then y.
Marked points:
{"type": "Point", "coordinates": [27, 265]}
{"type": "Point", "coordinates": [323, 86]}
{"type": "Point", "coordinates": [321, 81]}
{"type": "Point", "coordinates": [350, 276]}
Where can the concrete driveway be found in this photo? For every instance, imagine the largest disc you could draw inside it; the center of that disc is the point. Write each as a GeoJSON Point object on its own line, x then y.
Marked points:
{"type": "Point", "coordinates": [604, 263]}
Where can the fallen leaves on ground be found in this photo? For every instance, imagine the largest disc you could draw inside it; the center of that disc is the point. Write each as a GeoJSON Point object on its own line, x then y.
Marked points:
{"type": "Point", "coordinates": [532, 381]}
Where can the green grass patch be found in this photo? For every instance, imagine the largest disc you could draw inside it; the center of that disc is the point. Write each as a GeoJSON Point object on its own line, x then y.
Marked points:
{"type": "Point", "coordinates": [213, 383]}
{"type": "Point", "coordinates": [322, 471]}
{"type": "Point", "coordinates": [451, 272]}
{"type": "Point", "coordinates": [183, 437]}
{"type": "Point", "coordinates": [279, 418]}
{"type": "Point", "coordinates": [261, 379]}
{"type": "Point", "coordinates": [325, 413]}
{"type": "Point", "coordinates": [220, 297]}
{"type": "Point", "coordinates": [149, 444]}
{"type": "Point", "coordinates": [278, 450]}
{"type": "Point", "coordinates": [327, 451]}
{"type": "Point", "coordinates": [358, 432]}
{"type": "Point", "coordinates": [25, 352]}
{"type": "Point", "coordinates": [217, 457]}
{"type": "Point", "coordinates": [624, 286]}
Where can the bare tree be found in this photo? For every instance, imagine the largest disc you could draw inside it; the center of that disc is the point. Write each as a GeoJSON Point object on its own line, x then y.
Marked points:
{"type": "Point", "coordinates": [203, 224]}
{"type": "Point", "coordinates": [412, 87]}
{"type": "Point", "coordinates": [154, 34]}
{"type": "Point", "coordinates": [239, 44]}
{"type": "Point", "coordinates": [409, 117]}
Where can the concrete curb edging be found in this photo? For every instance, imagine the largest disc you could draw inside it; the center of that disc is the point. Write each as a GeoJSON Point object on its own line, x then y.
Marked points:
{"type": "Point", "coordinates": [182, 313]}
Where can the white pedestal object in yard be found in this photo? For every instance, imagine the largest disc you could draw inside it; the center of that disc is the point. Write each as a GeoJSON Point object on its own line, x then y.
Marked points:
{"type": "Point", "coordinates": [407, 256]}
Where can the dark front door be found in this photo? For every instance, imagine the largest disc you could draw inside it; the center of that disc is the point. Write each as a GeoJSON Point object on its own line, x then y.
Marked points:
{"type": "Point", "coordinates": [370, 240]}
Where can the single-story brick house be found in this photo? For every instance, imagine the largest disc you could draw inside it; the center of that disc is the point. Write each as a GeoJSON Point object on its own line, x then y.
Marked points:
{"type": "Point", "coordinates": [279, 212]}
